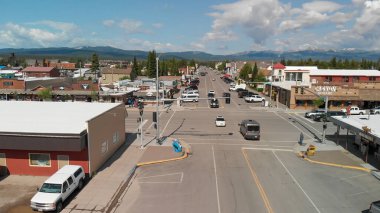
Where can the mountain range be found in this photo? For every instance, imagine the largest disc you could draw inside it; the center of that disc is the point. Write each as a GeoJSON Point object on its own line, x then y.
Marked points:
{"type": "Point", "coordinates": [106, 52]}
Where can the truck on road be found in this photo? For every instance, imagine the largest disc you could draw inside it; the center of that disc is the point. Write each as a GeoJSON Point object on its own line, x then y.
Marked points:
{"type": "Point", "coordinates": [354, 110]}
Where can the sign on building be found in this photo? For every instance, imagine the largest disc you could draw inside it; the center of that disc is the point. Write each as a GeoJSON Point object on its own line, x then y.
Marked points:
{"type": "Point", "coordinates": [325, 90]}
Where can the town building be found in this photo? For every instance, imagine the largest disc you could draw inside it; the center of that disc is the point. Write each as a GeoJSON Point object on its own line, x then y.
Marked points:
{"type": "Point", "coordinates": [111, 75]}
{"type": "Point", "coordinates": [38, 138]}
{"type": "Point", "coordinates": [40, 72]}
{"type": "Point", "coordinates": [299, 87]}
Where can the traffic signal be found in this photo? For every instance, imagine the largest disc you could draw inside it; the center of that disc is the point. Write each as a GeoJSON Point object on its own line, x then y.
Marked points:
{"type": "Point", "coordinates": [302, 91]}
{"type": "Point", "coordinates": [324, 126]}
{"type": "Point", "coordinates": [296, 90]}
{"type": "Point", "coordinates": [228, 100]}
{"type": "Point", "coordinates": [154, 116]}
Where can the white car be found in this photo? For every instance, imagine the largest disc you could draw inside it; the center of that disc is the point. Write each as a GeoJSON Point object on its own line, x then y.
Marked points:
{"type": "Point", "coordinates": [220, 122]}
{"type": "Point", "coordinates": [254, 98]}
{"type": "Point", "coordinates": [211, 91]}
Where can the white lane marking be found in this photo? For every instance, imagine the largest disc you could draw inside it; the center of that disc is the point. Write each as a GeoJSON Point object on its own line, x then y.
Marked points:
{"type": "Point", "coordinates": [355, 176]}
{"type": "Point", "coordinates": [163, 175]}
{"type": "Point", "coordinates": [296, 182]}
{"type": "Point", "coordinates": [309, 120]}
{"type": "Point", "coordinates": [268, 149]}
{"type": "Point", "coordinates": [364, 192]}
{"type": "Point", "coordinates": [294, 126]}
{"type": "Point", "coordinates": [167, 123]}
{"type": "Point", "coordinates": [216, 179]}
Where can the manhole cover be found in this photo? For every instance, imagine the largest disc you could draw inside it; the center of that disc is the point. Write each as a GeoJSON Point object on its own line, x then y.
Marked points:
{"type": "Point", "coordinates": [231, 133]}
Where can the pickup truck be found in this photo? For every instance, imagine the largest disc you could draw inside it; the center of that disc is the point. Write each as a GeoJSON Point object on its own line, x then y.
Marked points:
{"type": "Point", "coordinates": [254, 98]}
{"type": "Point", "coordinates": [354, 110]}
{"type": "Point", "coordinates": [375, 110]}
{"type": "Point", "coordinates": [234, 88]}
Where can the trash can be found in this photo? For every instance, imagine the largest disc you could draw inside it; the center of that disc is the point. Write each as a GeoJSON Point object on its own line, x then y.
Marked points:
{"type": "Point", "coordinates": [311, 150]}
{"type": "Point", "coordinates": [177, 146]}
{"type": "Point", "coordinates": [228, 100]}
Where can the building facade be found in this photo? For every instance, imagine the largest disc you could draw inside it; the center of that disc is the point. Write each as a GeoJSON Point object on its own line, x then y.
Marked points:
{"type": "Point", "coordinates": [44, 136]}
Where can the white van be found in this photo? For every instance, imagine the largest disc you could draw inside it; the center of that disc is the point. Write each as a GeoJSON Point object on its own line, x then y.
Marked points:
{"type": "Point", "coordinates": [234, 88]}
{"type": "Point", "coordinates": [57, 188]}
{"type": "Point", "coordinates": [189, 97]}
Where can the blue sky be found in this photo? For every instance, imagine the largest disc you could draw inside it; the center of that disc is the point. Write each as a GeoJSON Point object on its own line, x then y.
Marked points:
{"type": "Point", "coordinates": [213, 26]}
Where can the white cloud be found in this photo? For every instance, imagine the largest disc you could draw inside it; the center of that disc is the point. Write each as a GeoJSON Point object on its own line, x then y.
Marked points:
{"type": "Point", "coordinates": [305, 19]}
{"type": "Point", "coordinates": [132, 26]}
{"type": "Point", "coordinates": [149, 45]}
{"type": "Point", "coordinates": [321, 6]}
{"type": "Point", "coordinates": [257, 18]}
{"type": "Point", "coordinates": [108, 23]}
{"type": "Point", "coordinates": [197, 46]}
{"type": "Point", "coordinates": [157, 25]}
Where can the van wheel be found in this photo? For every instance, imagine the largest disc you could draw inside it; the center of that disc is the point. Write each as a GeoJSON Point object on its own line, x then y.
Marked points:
{"type": "Point", "coordinates": [58, 207]}
{"type": "Point", "coordinates": [80, 184]}
{"type": "Point", "coordinates": [377, 113]}
{"type": "Point", "coordinates": [361, 113]}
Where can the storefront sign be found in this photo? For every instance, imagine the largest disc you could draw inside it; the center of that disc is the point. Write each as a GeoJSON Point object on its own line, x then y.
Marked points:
{"type": "Point", "coordinates": [325, 90]}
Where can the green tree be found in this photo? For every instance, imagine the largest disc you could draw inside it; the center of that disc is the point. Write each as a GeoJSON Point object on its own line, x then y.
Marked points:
{"type": "Point", "coordinates": [94, 63]}
{"type": "Point", "coordinates": [45, 94]}
{"type": "Point", "coordinates": [255, 72]}
{"type": "Point", "coordinates": [151, 64]}
{"type": "Point", "coordinates": [135, 69]}
{"type": "Point", "coordinates": [245, 71]}
{"type": "Point", "coordinates": [318, 102]}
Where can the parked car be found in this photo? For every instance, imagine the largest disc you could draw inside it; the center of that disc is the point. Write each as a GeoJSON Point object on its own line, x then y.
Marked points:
{"type": "Point", "coordinates": [374, 207]}
{"type": "Point", "coordinates": [314, 112]}
{"type": "Point", "coordinates": [242, 93]}
{"type": "Point", "coordinates": [327, 117]}
{"type": "Point", "coordinates": [254, 98]}
{"type": "Point", "coordinates": [375, 110]}
{"type": "Point", "coordinates": [234, 88]}
{"type": "Point", "coordinates": [57, 188]}
{"type": "Point", "coordinates": [354, 110]}
{"type": "Point", "coordinates": [214, 103]}
{"type": "Point", "coordinates": [250, 129]}
{"type": "Point", "coordinates": [220, 122]}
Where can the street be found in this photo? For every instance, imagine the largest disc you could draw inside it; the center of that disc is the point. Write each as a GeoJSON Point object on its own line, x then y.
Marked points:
{"type": "Point", "coordinates": [229, 174]}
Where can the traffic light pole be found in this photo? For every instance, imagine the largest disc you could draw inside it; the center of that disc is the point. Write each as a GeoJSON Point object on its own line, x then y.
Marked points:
{"type": "Point", "coordinates": [157, 99]}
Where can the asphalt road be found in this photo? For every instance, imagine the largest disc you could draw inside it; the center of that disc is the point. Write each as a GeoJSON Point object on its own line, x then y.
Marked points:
{"type": "Point", "coordinates": [229, 174]}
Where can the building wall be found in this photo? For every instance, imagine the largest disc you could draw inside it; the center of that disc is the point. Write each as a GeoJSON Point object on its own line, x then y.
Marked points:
{"type": "Point", "coordinates": [16, 84]}
{"type": "Point", "coordinates": [110, 78]}
{"type": "Point", "coordinates": [101, 131]}
{"type": "Point", "coordinates": [17, 162]}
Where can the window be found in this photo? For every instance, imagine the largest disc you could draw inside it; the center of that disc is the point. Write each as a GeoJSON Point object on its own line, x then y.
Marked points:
{"type": "Point", "coordinates": [2, 159]}
{"type": "Point", "coordinates": [115, 138]}
{"type": "Point", "coordinates": [39, 159]}
{"type": "Point", "coordinates": [8, 83]}
{"type": "Point", "coordinates": [104, 147]}
{"type": "Point", "coordinates": [328, 78]}
{"type": "Point", "coordinates": [346, 79]}
{"type": "Point", "coordinates": [70, 180]}
{"type": "Point", "coordinates": [65, 186]}
{"type": "Point", "coordinates": [355, 79]}
{"type": "Point", "coordinates": [372, 78]}
{"type": "Point", "coordinates": [78, 172]}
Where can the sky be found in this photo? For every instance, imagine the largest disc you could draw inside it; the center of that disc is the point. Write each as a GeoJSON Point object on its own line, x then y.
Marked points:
{"type": "Point", "coordinates": [212, 26]}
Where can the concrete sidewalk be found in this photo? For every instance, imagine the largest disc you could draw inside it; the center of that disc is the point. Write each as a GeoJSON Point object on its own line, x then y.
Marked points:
{"type": "Point", "coordinates": [99, 194]}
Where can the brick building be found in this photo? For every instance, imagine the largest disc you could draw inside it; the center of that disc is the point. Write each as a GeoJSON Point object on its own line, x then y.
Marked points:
{"type": "Point", "coordinates": [41, 72]}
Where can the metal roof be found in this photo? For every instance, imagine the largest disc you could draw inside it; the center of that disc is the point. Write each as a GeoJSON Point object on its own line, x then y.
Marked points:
{"type": "Point", "coordinates": [334, 72]}
{"type": "Point", "coordinates": [49, 117]}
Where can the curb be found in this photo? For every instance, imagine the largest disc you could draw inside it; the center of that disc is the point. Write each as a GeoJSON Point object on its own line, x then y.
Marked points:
{"type": "Point", "coordinates": [300, 154]}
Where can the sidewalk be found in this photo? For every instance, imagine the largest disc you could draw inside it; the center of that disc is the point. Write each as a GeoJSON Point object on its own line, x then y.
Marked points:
{"type": "Point", "coordinates": [99, 194]}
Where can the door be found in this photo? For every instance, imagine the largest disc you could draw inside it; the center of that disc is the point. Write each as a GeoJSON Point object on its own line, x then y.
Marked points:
{"type": "Point", "coordinates": [66, 191]}
{"type": "Point", "coordinates": [63, 160]}
{"type": "Point", "coordinates": [3, 165]}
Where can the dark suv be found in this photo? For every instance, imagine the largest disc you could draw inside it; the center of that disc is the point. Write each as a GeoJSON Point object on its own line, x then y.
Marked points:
{"type": "Point", "coordinates": [327, 117]}
{"type": "Point", "coordinates": [214, 103]}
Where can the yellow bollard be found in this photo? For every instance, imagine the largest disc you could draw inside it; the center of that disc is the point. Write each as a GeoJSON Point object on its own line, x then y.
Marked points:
{"type": "Point", "coordinates": [311, 150]}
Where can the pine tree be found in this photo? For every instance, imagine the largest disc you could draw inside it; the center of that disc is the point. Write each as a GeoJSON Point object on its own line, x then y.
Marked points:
{"type": "Point", "coordinates": [94, 63]}
{"type": "Point", "coordinates": [255, 72]}
{"type": "Point", "coordinates": [135, 69]}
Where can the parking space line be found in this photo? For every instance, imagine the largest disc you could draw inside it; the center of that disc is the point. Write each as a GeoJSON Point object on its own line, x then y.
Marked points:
{"type": "Point", "coordinates": [167, 123]}
{"type": "Point", "coordinates": [216, 178]}
{"type": "Point", "coordinates": [305, 133]}
{"type": "Point", "coordinates": [296, 182]}
{"type": "Point", "coordinates": [355, 176]}
{"type": "Point", "coordinates": [364, 192]}
{"type": "Point", "coordinates": [313, 122]}
{"type": "Point", "coordinates": [258, 184]}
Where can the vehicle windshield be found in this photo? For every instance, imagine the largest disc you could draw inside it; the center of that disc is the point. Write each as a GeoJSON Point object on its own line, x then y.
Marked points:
{"type": "Point", "coordinates": [219, 119]}
{"type": "Point", "coordinates": [253, 128]}
{"type": "Point", "coordinates": [51, 188]}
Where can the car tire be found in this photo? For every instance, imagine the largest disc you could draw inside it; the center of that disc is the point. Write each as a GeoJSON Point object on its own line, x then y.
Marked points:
{"type": "Point", "coordinates": [59, 207]}
{"type": "Point", "coordinates": [361, 113]}
{"type": "Point", "coordinates": [377, 113]}
{"type": "Point", "coordinates": [80, 184]}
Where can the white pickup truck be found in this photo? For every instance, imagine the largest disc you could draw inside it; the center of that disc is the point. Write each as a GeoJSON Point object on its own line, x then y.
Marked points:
{"type": "Point", "coordinates": [57, 188]}
{"type": "Point", "coordinates": [254, 98]}
{"type": "Point", "coordinates": [354, 110]}
{"type": "Point", "coordinates": [234, 88]}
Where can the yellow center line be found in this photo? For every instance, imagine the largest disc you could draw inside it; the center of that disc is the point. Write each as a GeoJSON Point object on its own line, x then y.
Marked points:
{"type": "Point", "coordinates": [258, 184]}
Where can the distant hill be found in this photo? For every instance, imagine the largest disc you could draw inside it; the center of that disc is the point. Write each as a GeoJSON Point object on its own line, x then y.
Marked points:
{"type": "Point", "coordinates": [106, 52]}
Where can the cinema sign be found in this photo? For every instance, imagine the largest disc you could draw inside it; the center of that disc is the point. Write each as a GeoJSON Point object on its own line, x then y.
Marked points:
{"type": "Point", "coordinates": [325, 90]}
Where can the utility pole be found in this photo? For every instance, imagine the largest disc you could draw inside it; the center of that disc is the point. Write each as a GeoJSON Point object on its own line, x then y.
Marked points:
{"type": "Point", "coordinates": [157, 104]}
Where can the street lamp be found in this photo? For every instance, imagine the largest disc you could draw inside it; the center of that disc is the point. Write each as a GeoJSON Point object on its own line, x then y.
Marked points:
{"type": "Point", "coordinates": [157, 103]}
